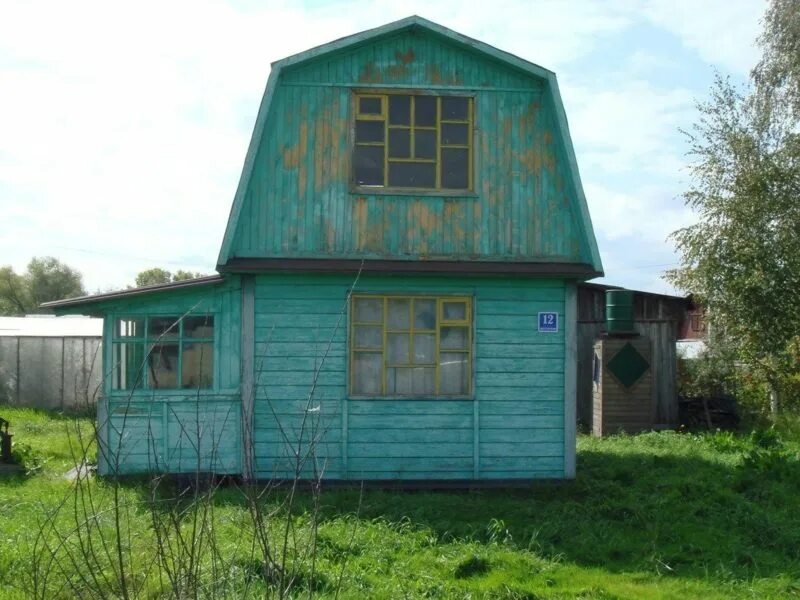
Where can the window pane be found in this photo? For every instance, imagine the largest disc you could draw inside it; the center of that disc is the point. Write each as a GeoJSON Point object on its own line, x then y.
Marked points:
{"type": "Point", "coordinates": [424, 314]}
{"type": "Point", "coordinates": [424, 348]}
{"type": "Point", "coordinates": [456, 108]}
{"type": "Point", "coordinates": [369, 337]}
{"type": "Point", "coordinates": [197, 365]}
{"type": "Point", "coordinates": [198, 327]}
{"type": "Point", "coordinates": [453, 373]}
{"type": "Point", "coordinates": [398, 381]}
{"type": "Point", "coordinates": [163, 328]}
{"type": "Point", "coordinates": [424, 143]}
{"type": "Point", "coordinates": [454, 311]}
{"type": "Point", "coordinates": [399, 311]}
{"type": "Point", "coordinates": [369, 131]}
{"type": "Point", "coordinates": [368, 310]}
{"type": "Point", "coordinates": [423, 381]}
{"type": "Point", "coordinates": [455, 168]}
{"type": "Point", "coordinates": [453, 338]}
{"type": "Point", "coordinates": [425, 111]}
{"type": "Point", "coordinates": [416, 381]}
{"type": "Point", "coordinates": [455, 133]}
{"type": "Point", "coordinates": [367, 376]}
{"type": "Point", "coordinates": [368, 165]}
{"type": "Point", "coordinates": [399, 110]}
{"type": "Point", "coordinates": [129, 328]}
{"type": "Point", "coordinates": [397, 349]}
{"type": "Point", "coordinates": [399, 143]}
{"type": "Point", "coordinates": [128, 366]}
{"type": "Point", "coordinates": [369, 106]}
{"type": "Point", "coordinates": [162, 366]}
{"type": "Point", "coordinates": [412, 175]}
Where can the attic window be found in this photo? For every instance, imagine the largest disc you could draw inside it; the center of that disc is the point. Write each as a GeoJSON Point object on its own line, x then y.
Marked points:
{"type": "Point", "coordinates": [413, 142]}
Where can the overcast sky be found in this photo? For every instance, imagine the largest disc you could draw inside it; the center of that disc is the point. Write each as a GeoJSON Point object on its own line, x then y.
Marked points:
{"type": "Point", "coordinates": [123, 127]}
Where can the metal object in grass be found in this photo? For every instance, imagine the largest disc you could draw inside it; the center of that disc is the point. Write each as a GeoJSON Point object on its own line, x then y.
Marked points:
{"type": "Point", "coordinates": [5, 441]}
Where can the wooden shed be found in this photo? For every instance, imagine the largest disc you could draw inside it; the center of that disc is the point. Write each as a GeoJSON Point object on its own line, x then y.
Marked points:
{"type": "Point", "coordinates": [397, 288]}
{"type": "Point", "coordinates": [658, 318]}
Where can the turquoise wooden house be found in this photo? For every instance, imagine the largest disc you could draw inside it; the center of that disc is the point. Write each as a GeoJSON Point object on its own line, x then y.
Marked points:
{"type": "Point", "coordinates": [396, 297]}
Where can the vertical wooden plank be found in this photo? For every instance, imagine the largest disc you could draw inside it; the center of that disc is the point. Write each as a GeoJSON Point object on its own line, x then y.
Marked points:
{"type": "Point", "coordinates": [476, 438]}
{"type": "Point", "coordinates": [570, 371]}
{"type": "Point", "coordinates": [247, 373]}
{"type": "Point", "coordinates": [103, 400]}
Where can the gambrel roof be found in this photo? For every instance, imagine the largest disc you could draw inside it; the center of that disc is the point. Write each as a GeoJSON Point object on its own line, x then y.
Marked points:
{"type": "Point", "coordinates": [545, 78]}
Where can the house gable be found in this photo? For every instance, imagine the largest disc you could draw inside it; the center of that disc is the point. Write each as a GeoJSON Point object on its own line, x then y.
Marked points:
{"type": "Point", "coordinates": [295, 199]}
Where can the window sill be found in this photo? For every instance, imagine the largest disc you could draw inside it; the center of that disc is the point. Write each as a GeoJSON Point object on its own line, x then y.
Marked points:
{"type": "Point", "coordinates": [381, 191]}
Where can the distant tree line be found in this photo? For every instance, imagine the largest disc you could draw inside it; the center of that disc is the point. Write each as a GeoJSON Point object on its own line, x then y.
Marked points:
{"type": "Point", "coordinates": [46, 279]}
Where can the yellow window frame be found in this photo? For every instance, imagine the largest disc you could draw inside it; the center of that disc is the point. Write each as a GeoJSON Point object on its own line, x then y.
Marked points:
{"type": "Point", "coordinates": [441, 322]}
{"type": "Point", "coordinates": [412, 127]}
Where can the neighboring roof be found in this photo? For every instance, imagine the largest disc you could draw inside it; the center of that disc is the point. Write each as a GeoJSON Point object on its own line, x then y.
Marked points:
{"type": "Point", "coordinates": [602, 287]}
{"type": "Point", "coordinates": [584, 220]}
{"type": "Point", "coordinates": [50, 326]}
{"type": "Point", "coordinates": [140, 291]}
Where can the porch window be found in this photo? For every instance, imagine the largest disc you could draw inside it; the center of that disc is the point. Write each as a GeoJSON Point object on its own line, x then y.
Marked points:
{"type": "Point", "coordinates": [163, 352]}
{"type": "Point", "coordinates": [410, 346]}
{"type": "Point", "coordinates": [413, 142]}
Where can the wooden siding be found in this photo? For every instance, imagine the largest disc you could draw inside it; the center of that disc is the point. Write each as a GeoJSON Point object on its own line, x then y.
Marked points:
{"type": "Point", "coordinates": [177, 430]}
{"type": "Point", "coordinates": [298, 203]}
{"type": "Point", "coordinates": [513, 428]}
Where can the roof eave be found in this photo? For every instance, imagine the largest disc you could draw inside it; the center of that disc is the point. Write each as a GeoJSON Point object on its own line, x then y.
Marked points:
{"type": "Point", "coordinates": [140, 291]}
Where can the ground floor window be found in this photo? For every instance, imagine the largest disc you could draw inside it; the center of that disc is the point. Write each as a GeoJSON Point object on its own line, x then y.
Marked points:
{"type": "Point", "coordinates": [163, 352]}
{"type": "Point", "coordinates": [410, 346]}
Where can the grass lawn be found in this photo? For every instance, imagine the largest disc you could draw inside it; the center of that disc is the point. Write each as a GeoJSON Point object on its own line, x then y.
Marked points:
{"type": "Point", "coordinates": [659, 515]}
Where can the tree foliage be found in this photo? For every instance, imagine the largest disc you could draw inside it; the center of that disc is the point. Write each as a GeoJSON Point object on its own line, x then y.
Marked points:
{"type": "Point", "coordinates": [45, 279]}
{"type": "Point", "coordinates": [742, 256]}
{"type": "Point", "coordinates": [157, 275]}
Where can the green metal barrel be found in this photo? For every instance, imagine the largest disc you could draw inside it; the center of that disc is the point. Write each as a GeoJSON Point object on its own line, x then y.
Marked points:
{"type": "Point", "coordinates": [619, 311]}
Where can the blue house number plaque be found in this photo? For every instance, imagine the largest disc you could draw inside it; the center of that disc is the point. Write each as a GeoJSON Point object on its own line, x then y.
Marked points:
{"type": "Point", "coordinates": [548, 322]}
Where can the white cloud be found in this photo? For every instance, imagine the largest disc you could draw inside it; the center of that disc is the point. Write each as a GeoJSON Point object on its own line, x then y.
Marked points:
{"type": "Point", "coordinates": [124, 127]}
{"type": "Point", "coordinates": [722, 32]}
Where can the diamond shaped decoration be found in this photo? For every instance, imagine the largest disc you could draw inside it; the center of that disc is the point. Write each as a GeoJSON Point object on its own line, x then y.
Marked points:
{"type": "Point", "coordinates": [628, 365]}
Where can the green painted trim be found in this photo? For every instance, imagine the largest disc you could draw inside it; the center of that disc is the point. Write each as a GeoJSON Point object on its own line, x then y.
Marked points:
{"type": "Point", "coordinates": [585, 220]}
{"type": "Point", "coordinates": [249, 164]}
{"type": "Point", "coordinates": [570, 376]}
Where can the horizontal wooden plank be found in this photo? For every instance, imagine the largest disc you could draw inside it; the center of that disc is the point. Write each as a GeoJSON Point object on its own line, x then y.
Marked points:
{"type": "Point", "coordinates": [523, 474]}
{"type": "Point", "coordinates": [284, 450]}
{"type": "Point", "coordinates": [520, 365]}
{"type": "Point", "coordinates": [521, 449]}
{"type": "Point", "coordinates": [525, 350]}
{"type": "Point", "coordinates": [466, 474]}
{"type": "Point", "coordinates": [294, 377]}
{"type": "Point", "coordinates": [357, 464]}
{"type": "Point", "coordinates": [526, 380]}
{"type": "Point", "coordinates": [523, 322]}
{"type": "Point", "coordinates": [540, 403]}
{"type": "Point", "coordinates": [517, 435]}
{"type": "Point", "coordinates": [298, 349]}
{"type": "Point", "coordinates": [301, 306]}
{"type": "Point", "coordinates": [517, 336]}
{"type": "Point", "coordinates": [411, 436]}
{"type": "Point", "coordinates": [409, 407]}
{"type": "Point", "coordinates": [269, 334]}
{"type": "Point", "coordinates": [277, 391]}
{"type": "Point", "coordinates": [327, 363]}
{"type": "Point", "coordinates": [311, 321]}
{"type": "Point", "coordinates": [513, 463]}
{"type": "Point", "coordinates": [545, 300]}
{"type": "Point", "coordinates": [431, 449]}
{"type": "Point", "coordinates": [401, 421]}
{"type": "Point", "coordinates": [526, 421]}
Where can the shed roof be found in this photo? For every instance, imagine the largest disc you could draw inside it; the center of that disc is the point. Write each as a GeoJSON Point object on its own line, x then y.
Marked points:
{"type": "Point", "coordinates": [50, 326]}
